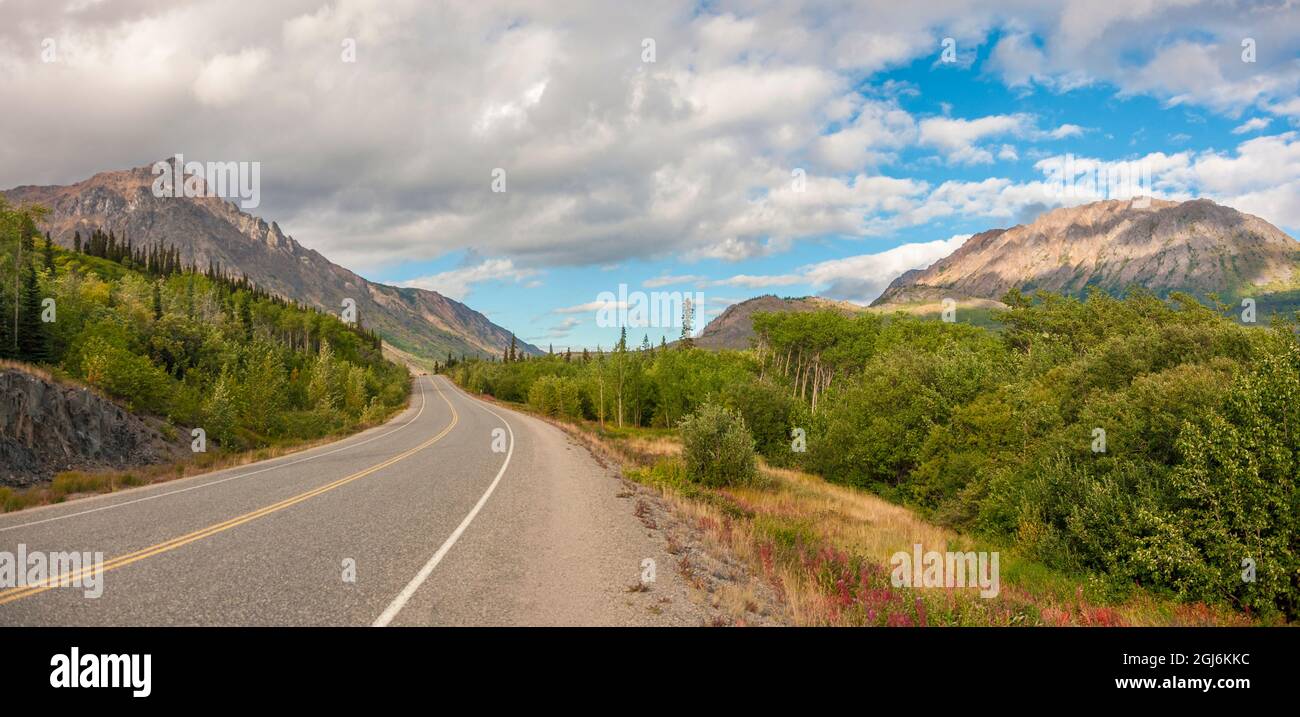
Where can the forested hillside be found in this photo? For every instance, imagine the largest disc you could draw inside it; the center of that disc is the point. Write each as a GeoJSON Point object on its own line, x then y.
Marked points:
{"type": "Point", "coordinates": [194, 345]}
{"type": "Point", "coordinates": [1147, 442]}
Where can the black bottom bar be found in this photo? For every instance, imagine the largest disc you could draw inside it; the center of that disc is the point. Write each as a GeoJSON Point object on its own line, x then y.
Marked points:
{"type": "Point", "coordinates": [933, 668]}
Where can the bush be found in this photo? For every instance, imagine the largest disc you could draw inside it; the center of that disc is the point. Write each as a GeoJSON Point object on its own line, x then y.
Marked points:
{"type": "Point", "coordinates": [125, 375]}
{"type": "Point", "coordinates": [717, 448]}
{"type": "Point", "coordinates": [556, 396]}
{"type": "Point", "coordinates": [768, 411]}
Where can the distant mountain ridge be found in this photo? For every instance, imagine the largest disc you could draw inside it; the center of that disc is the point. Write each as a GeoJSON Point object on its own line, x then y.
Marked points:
{"type": "Point", "coordinates": [1196, 246]}
{"type": "Point", "coordinates": [213, 230]}
{"type": "Point", "coordinates": [734, 327]}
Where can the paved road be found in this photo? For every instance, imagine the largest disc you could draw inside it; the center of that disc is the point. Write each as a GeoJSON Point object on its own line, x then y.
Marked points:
{"type": "Point", "coordinates": [453, 513]}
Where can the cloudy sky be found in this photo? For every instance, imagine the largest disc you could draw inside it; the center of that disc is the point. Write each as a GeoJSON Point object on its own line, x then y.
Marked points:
{"type": "Point", "coordinates": [730, 148]}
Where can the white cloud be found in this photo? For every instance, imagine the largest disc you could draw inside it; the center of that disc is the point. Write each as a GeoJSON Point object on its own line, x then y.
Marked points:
{"type": "Point", "coordinates": [1147, 48]}
{"type": "Point", "coordinates": [678, 280]}
{"type": "Point", "coordinates": [862, 278]}
{"type": "Point", "coordinates": [956, 138]}
{"type": "Point", "coordinates": [1251, 125]}
{"type": "Point", "coordinates": [593, 306]}
{"type": "Point", "coordinates": [609, 159]}
{"type": "Point", "coordinates": [755, 282]}
{"type": "Point", "coordinates": [877, 131]}
{"type": "Point", "coordinates": [859, 278]}
{"type": "Point", "coordinates": [561, 330]}
{"type": "Point", "coordinates": [458, 283]}
{"type": "Point", "coordinates": [227, 79]}
{"type": "Point", "coordinates": [1065, 131]}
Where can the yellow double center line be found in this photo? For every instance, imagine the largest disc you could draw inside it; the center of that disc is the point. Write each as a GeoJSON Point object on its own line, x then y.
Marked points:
{"type": "Point", "coordinates": [12, 594]}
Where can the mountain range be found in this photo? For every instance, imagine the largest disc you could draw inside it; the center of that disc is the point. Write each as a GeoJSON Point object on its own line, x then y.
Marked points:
{"type": "Point", "coordinates": [1199, 247]}
{"type": "Point", "coordinates": [212, 230]}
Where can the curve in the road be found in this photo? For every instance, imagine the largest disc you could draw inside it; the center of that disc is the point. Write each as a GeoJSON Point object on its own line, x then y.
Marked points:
{"type": "Point", "coordinates": [276, 465]}
{"type": "Point", "coordinates": [18, 593]}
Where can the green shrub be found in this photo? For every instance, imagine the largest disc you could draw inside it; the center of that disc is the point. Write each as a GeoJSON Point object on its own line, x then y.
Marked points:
{"type": "Point", "coordinates": [128, 376]}
{"type": "Point", "coordinates": [556, 396]}
{"type": "Point", "coordinates": [769, 412]}
{"type": "Point", "coordinates": [717, 448]}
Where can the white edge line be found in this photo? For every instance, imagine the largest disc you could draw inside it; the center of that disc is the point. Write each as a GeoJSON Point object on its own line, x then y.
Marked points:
{"type": "Point", "coordinates": [400, 601]}
{"type": "Point", "coordinates": [423, 402]}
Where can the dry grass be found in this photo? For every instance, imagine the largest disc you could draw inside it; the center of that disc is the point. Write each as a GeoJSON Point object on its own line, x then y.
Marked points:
{"type": "Point", "coordinates": [656, 447]}
{"type": "Point", "coordinates": [852, 519]}
{"type": "Point", "coordinates": [825, 551]}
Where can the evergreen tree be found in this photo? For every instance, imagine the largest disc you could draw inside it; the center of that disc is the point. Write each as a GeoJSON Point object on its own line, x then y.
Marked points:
{"type": "Point", "coordinates": [157, 302]}
{"type": "Point", "coordinates": [76, 241]}
{"type": "Point", "coordinates": [32, 343]}
{"type": "Point", "coordinates": [189, 297]}
{"type": "Point", "coordinates": [7, 348]}
{"type": "Point", "coordinates": [49, 254]}
{"type": "Point", "coordinates": [246, 317]}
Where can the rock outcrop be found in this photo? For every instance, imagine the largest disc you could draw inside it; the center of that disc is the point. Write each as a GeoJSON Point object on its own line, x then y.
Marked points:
{"type": "Point", "coordinates": [47, 427]}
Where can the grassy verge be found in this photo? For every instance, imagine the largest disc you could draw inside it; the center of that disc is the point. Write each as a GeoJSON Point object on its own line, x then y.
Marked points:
{"type": "Point", "coordinates": [825, 549]}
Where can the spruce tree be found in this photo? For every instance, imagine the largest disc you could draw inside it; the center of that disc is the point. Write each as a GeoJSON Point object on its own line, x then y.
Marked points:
{"type": "Point", "coordinates": [246, 317]}
{"type": "Point", "coordinates": [7, 349]}
{"type": "Point", "coordinates": [32, 344]}
{"type": "Point", "coordinates": [49, 254]}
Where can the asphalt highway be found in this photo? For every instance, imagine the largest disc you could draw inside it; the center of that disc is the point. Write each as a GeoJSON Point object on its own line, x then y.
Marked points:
{"type": "Point", "coordinates": [455, 512]}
